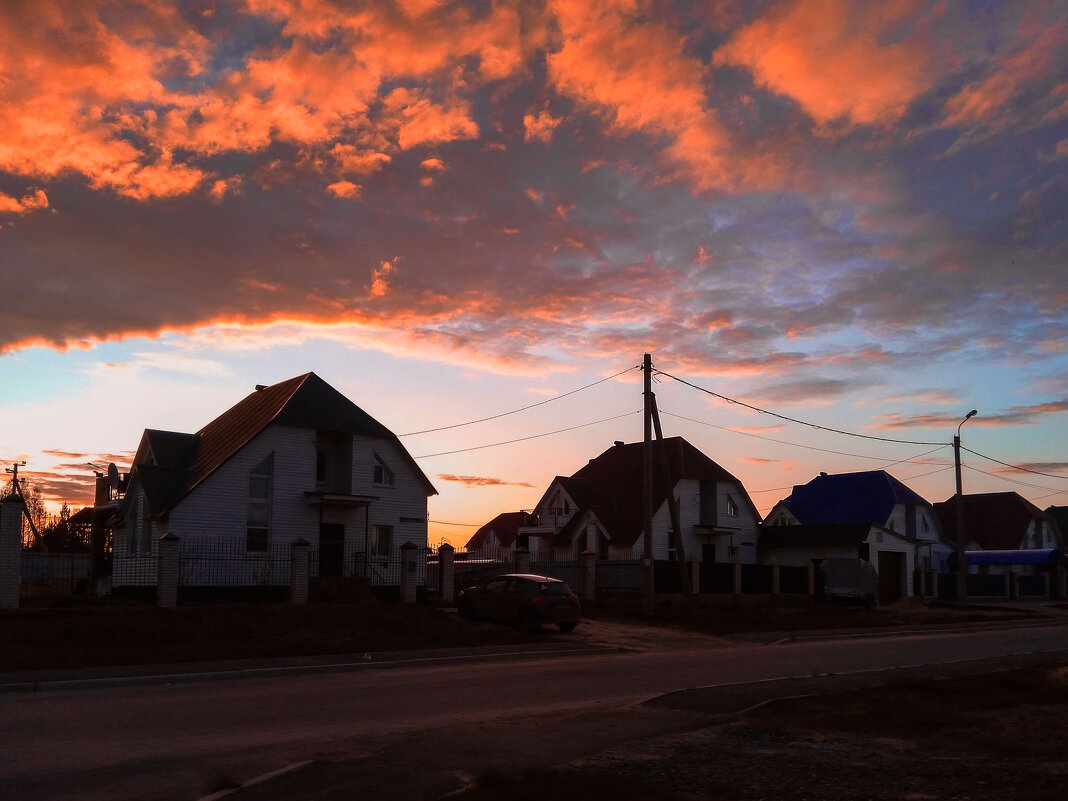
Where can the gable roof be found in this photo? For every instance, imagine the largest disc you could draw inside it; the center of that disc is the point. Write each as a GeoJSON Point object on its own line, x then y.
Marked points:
{"type": "Point", "coordinates": [863, 497]}
{"type": "Point", "coordinates": [505, 526]}
{"type": "Point", "coordinates": [611, 484]}
{"type": "Point", "coordinates": [172, 464]}
{"type": "Point", "coordinates": [994, 520]}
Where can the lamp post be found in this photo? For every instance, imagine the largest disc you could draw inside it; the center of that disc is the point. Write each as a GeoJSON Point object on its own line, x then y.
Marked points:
{"type": "Point", "coordinates": [962, 567]}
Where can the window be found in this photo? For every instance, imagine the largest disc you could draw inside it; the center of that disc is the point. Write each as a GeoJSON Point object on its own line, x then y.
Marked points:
{"type": "Point", "coordinates": [732, 507]}
{"type": "Point", "coordinates": [382, 475]}
{"type": "Point", "coordinates": [258, 519]}
{"type": "Point", "coordinates": [926, 526]}
{"type": "Point", "coordinates": [382, 540]}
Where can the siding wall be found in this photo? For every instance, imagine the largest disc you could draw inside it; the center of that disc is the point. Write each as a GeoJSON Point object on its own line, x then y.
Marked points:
{"type": "Point", "coordinates": [217, 508]}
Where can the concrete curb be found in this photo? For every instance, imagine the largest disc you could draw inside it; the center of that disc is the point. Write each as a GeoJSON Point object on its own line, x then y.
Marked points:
{"type": "Point", "coordinates": [229, 671]}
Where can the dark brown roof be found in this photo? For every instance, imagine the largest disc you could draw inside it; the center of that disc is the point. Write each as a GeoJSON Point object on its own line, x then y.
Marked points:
{"type": "Point", "coordinates": [995, 520]}
{"type": "Point", "coordinates": [612, 483]}
{"type": "Point", "coordinates": [182, 461]}
{"type": "Point", "coordinates": [828, 535]}
{"type": "Point", "coordinates": [505, 526]}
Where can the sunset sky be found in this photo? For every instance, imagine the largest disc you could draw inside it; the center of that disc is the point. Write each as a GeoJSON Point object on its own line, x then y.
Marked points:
{"type": "Point", "coordinates": [849, 214]}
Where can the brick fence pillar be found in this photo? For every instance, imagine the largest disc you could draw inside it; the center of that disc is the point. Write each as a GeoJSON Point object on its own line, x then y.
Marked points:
{"type": "Point", "coordinates": [170, 549]}
{"type": "Point", "coordinates": [588, 561]}
{"type": "Point", "coordinates": [737, 574]}
{"type": "Point", "coordinates": [409, 572]}
{"type": "Point", "coordinates": [1062, 582]}
{"type": "Point", "coordinates": [521, 559]}
{"type": "Point", "coordinates": [447, 579]}
{"type": "Point", "coordinates": [775, 579]}
{"type": "Point", "coordinates": [811, 580]}
{"type": "Point", "coordinates": [11, 512]}
{"type": "Point", "coordinates": [695, 574]}
{"type": "Point", "coordinates": [298, 571]}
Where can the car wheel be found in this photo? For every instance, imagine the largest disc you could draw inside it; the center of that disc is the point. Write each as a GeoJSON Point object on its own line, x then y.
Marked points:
{"type": "Point", "coordinates": [566, 627]}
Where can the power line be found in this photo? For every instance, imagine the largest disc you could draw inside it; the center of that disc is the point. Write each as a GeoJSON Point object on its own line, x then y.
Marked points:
{"type": "Point", "coordinates": [522, 409]}
{"type": "Point", "coordinates": [1011, 480]}
{"type": "Point", "coordinates": [806, 447]}
{"type": "Point", "coordinates": [532, 436]}
{"type": "Point", "coordinates": [448, 523]}
{"type": "Point", "coordinates": [1014, 467]}
{"type": "Point", "coordinates": [794, 419]}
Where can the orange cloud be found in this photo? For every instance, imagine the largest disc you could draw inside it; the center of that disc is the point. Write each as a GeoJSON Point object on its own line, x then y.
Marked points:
{"type": "Point", "coordinates": [841, 61]}
{"type": "Point", "coordinates": [985, 101]}
{"type": "Point", "coordinates": [345, 189]}
{"type": "Point", "coordinates": [33, 200]}
{"type": "Point", "coordinates": [540, 127]}
{"type": "Point", "coordinates": [638, 76]}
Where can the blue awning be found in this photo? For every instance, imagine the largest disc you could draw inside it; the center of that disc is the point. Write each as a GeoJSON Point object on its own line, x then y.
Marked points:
{"type": "Point", "coordinates": [1029, 556]}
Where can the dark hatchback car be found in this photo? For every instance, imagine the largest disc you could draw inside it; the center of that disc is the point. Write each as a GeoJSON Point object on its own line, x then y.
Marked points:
{"type": "Point", "coordinates": [524, 599]}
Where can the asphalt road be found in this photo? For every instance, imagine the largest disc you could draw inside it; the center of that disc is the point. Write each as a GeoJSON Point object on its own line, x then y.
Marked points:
{"type": "Point", "coordinates": [406, 732]}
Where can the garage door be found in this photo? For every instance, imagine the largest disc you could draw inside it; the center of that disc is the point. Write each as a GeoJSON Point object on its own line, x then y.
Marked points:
{"type": "Point", "coordinates": [891, 576]}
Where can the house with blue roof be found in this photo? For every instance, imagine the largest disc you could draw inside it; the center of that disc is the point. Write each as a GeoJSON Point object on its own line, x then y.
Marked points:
{"type": "Point", "coordinates": [898, 529]}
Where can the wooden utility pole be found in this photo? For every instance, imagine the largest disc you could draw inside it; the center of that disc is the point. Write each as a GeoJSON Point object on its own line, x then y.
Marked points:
{"type": "Point", "coordinates": [676, 523]}
{"type": "Point", "coordinates": [647, 490]}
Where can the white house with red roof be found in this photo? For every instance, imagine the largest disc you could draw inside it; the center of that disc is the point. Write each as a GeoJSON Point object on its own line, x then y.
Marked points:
{"type": "Point", "coordinates": [599, 508]}
{"type": "Point", "coordinates": [294, 460]}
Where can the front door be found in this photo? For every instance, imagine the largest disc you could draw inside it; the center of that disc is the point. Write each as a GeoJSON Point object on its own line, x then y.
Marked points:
{"type": "Point", "coordinates": [331, 549]}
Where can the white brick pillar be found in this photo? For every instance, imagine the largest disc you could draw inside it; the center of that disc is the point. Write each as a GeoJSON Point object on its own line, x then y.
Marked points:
{"type": "Point", "coordinates": [170, 549]}
{"type": "Point", "coordinates": [521, 559]}
{"type": "Point", "coordinates": [811, 579]}
{"type": "Point", "coordinates": [298, 571]}
{"type": "Point", "coordinates": [447, 579]}
{"type": "Point", "coordinates": [409, 572]}
{"type": "Point", "coordinates": [695, 574]}
{"type": "Point", "coordinates": [11, 512]}
{"type": "Point", "coordinates": [588, 560]}
{"type": "Point", "coordinates": [775, 581]}
{"type": "Point", "coordinates": [737, 574]}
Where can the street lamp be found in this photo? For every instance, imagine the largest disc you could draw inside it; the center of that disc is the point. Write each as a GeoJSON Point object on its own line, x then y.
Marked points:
{"type": "Point", "coordinates": [962, 567]}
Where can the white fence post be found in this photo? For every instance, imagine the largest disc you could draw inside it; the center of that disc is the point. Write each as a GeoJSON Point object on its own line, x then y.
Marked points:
{"type": "Point", "coordinates": [522, 560]}
{"type": "Point", "coordinates": [447, 579]}
{"type": "Point", "coordinates": [11, 511]}
{"type": "Point", "coordinates": [298, 571]}
{"type": "Point", "coordinates": [169, 559]}
{"type": "Point", "coordinates": [737, 574]}
{"type": "Point", "coordinates": [775, 577]}
{"type": "Point", "coordinates": [409, 573]}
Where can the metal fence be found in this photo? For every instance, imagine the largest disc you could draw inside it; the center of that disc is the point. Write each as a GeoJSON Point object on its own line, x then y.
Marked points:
{"type": "Point", "coordinates": [48, 577]}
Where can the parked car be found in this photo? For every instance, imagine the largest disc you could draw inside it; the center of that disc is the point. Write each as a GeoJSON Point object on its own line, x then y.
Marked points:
{"type": "Point", "coordinates": [524, 599]}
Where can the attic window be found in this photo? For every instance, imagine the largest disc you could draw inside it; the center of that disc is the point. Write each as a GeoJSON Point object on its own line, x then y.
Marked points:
{"type": "Point", "coordinates": [382, 475]}
{"type": "Point", "coordinates": [732, 507]}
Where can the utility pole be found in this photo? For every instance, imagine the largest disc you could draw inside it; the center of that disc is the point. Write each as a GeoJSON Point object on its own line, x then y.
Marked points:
{"type": "Point", "coordinates": [962, 539]}
{"type": "Point", "coordinates": [647, 489]}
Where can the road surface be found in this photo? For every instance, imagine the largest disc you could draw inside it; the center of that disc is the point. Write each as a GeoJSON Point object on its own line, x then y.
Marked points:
{"type": "Point", "coordinates": [406, 731]}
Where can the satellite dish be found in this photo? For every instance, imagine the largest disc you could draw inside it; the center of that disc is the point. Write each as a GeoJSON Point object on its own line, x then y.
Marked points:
{"type": "Point", "coordinates": [113, 475]}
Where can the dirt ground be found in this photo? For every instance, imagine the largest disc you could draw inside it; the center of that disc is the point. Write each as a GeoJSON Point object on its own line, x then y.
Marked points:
{"type": "Point", "coordinates": [995, 737]}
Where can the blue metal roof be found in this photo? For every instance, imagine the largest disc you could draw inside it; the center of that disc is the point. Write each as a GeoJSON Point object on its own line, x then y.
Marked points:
{"type": "Point", "coordinates": [850, 498]}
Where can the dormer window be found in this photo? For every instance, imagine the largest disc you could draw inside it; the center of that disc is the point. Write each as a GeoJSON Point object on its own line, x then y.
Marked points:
{"type": "Point", "coordinates": [382, 475]}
